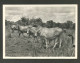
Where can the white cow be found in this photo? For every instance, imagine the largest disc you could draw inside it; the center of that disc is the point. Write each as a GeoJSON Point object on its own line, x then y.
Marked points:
{"type": "Point", "coordinates": [22, 29]}
{"type": "Point", "coordinates": [51, 34]}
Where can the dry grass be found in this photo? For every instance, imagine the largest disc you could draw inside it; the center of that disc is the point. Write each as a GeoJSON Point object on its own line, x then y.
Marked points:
{"type": "Point", "coordinates": [24, 46]}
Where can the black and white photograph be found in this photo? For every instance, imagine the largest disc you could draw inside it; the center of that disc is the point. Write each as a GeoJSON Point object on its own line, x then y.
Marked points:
{"type": "Point", "coordinates": [40, 31]}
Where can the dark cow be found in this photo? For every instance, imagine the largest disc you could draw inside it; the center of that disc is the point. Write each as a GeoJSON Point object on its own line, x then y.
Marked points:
{"type": "Point", "coordinates": [32, 31]}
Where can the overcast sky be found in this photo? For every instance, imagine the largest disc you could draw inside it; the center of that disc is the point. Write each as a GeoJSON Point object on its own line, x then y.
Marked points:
{"type": "Point", "coordinates": [57, 14]}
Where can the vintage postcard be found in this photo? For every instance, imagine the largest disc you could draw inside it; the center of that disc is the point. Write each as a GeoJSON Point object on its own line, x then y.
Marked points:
{"type": "Point", "coordinates": [40, 31]}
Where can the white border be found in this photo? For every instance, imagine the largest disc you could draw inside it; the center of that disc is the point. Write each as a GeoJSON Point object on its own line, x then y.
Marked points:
{"type": "Point", "coordinates": [49, 5]}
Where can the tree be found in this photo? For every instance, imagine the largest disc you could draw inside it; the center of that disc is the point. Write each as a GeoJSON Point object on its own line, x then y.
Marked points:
{"type": "Point", "coordinates": [25, 21]}
{"type": "Point", "coordinates": [73, 26]}
{"type": "Point", "coordinates": [49, 24]}
{"type": "Point", "coordinates": [32, 22]}
{"type": "Point", "coordinates": [69, 24]}
{"type": "Point", "coordinates": [7, 23]}
{"type": "Point", "coordinates": [19, 22]}
{"type": "Point", "coordinates": [36, 22]}
{"type": "Point", "coordinates": [59, 25]}
{"type": "Point", "coordinates": [43, 24]}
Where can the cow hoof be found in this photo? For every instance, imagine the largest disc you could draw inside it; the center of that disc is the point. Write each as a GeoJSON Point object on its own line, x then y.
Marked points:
{"type": "Point", "coordinates": [73, 45]}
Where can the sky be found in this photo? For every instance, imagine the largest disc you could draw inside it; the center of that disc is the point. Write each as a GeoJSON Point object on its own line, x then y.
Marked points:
{"type": "Point", "coordinates": [46, 13]}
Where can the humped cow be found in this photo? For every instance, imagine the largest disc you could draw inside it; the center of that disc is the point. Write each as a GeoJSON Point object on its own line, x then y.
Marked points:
{"type": "Point", "coordinates": [51, 34]}
{"type": "Point", "coordinates": [22, 29]}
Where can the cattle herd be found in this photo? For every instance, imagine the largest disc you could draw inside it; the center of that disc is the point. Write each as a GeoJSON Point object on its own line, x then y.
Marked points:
{"type": "Point", "coordinates": [48, 34]}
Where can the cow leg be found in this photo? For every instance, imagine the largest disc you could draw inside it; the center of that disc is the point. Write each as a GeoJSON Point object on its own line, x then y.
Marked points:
{"type": "Point", "coordinates": [19, 34]}
{"type": "Point", "coordinates": [10, 33]}
{"type": "Point", "coordinates": [35, 38]}
{"type": "Point", "coordinates": [60, 42]}
{"type": "Point", "coordinates": [43, 41]}
{"type": "Point", "coordinates": [49, 41]}
{"type": "Point", "coordinates": [12, 30]}
{"type": "Point", "coordinates": [55, 43]}
{"type": "Point", "coordinates": [46, 43]}
{"type": "Point", "coordinates": [73, 41]}
{"type": "Point", "coordinates": [23, 35]}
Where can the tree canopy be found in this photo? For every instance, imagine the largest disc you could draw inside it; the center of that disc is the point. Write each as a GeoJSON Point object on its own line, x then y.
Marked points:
{"type": "Point", "coordinates": [38, 22]}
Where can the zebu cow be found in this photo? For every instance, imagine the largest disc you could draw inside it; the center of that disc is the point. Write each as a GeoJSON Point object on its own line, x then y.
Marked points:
{"type": "Point", "coordinates": [51, 34]}
{"type": "Point", "coordinates": [22, 29]}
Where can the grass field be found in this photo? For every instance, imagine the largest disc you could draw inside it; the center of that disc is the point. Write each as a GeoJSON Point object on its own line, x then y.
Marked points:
{"type": "Point", "coordinates": [24, 46]}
